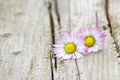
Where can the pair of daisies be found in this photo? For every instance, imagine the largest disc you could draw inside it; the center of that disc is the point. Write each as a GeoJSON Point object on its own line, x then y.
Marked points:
{"type": "Point", "coordinates": [74, 45]}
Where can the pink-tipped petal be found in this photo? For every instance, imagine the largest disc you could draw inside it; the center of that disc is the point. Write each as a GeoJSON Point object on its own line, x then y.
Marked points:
{"type": "Point", "coordinates": [60, 55]}
{"type": "Point", "coordinates": [82, 49]}
{"type": "Point", "coordinates": [58, 50]}
{"type": "Point", "coordinates": [61, 42]}
{"type": "Point", "coordinates": [78, 55]}
{"type": "Point", "coordinates": [97, 33]}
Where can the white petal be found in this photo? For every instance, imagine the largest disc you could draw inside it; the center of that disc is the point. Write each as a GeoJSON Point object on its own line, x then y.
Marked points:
{"type": "Point", "coordinates": [95, 48]}
{"type": "Point", "coordinates": [58, 50]}
{"type": "Point", "coordinates": [60, 55]}
{"type": "Point", "coordinates": [77, 41]}
{"type": "Point", "coordinates": [78, 55]}
{"type": "Point", "coordinates": [90, 50]}
{"type": "Point", "coordinates": [67, 56]}
{"type": "Point", "coordinates": [73, 56]}
{"type": "Point", "coordinates": [58, 45]}
{"type": "Point", "coordinates": [81, 49]}
{"type": "Point", "coordinates": [69, 39]}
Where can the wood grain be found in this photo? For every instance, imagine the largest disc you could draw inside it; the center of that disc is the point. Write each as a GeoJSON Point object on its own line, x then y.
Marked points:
{"type": "Point", "coordinates": [114, 17]}
{"type": "Point", "coordinates": [25, 40]}
{"type": "Point", "coordinates": [28, 29]}
{"type": "Point", "coordinates": [98, 66]}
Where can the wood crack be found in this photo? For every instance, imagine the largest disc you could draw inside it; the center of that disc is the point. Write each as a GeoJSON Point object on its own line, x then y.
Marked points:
{"type": "Point", "coordinates": [57, 12]}
{"type": "Point", "coordinates": [77, 70]}
{"type": "Point", "coordinates": [69, 16]}
{"type": "Point", "coordinates": [111, 31]}
{"type": "Point", "coordinates": [52, 29]}
{"type": "Point", "coordinates": [31, 67]}
{"type": "Point", "coordinates": [52, 74]}
{"type": "Point", "coordinates": [5, 35]}
{"type": "Point", "coordinates": [53, 39]}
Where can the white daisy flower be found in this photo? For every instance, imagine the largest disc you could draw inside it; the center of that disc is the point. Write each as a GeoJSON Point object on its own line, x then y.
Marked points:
{"type": "Point", "coordinates": [69, 46]}
{"type": "Point", "coordinates": [93, 38]}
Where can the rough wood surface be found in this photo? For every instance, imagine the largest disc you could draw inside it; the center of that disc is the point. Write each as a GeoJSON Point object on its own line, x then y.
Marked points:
{"type": "Point", "coordinates": [114, 18]}
{"type": "Point", "coordinates": [72, 15]}
{"type": "Point", "coordinates": [28, 29]}
{"type": "Point", "coordinates": [25, 40]}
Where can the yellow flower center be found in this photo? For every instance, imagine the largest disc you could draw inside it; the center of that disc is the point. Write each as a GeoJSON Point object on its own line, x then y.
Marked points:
{"type": "Point", "coordinates": [70, 48]}
{"type": "Point", "coordinates": [89, 41]}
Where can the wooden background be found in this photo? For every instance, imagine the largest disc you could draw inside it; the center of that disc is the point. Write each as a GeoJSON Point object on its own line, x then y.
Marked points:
{"type": "Point", "coordinates": [28, 29]}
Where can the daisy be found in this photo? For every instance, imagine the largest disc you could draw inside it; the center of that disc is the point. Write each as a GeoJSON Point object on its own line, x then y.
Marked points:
{"type": "Point", "coordinates": [93, 38]}
{"type": "Point", "coordinates": [68, 46]}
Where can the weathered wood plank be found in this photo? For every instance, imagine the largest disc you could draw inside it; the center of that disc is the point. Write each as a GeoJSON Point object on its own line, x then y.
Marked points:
{"type": "Point", "coordinates": [114, 17]}
{"type": "Point", "coordinates": [25, 38]}
{"type": "Point", "coordinates": [66, 70]}
{"type": "Point", "coordinates": [72, 15]}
